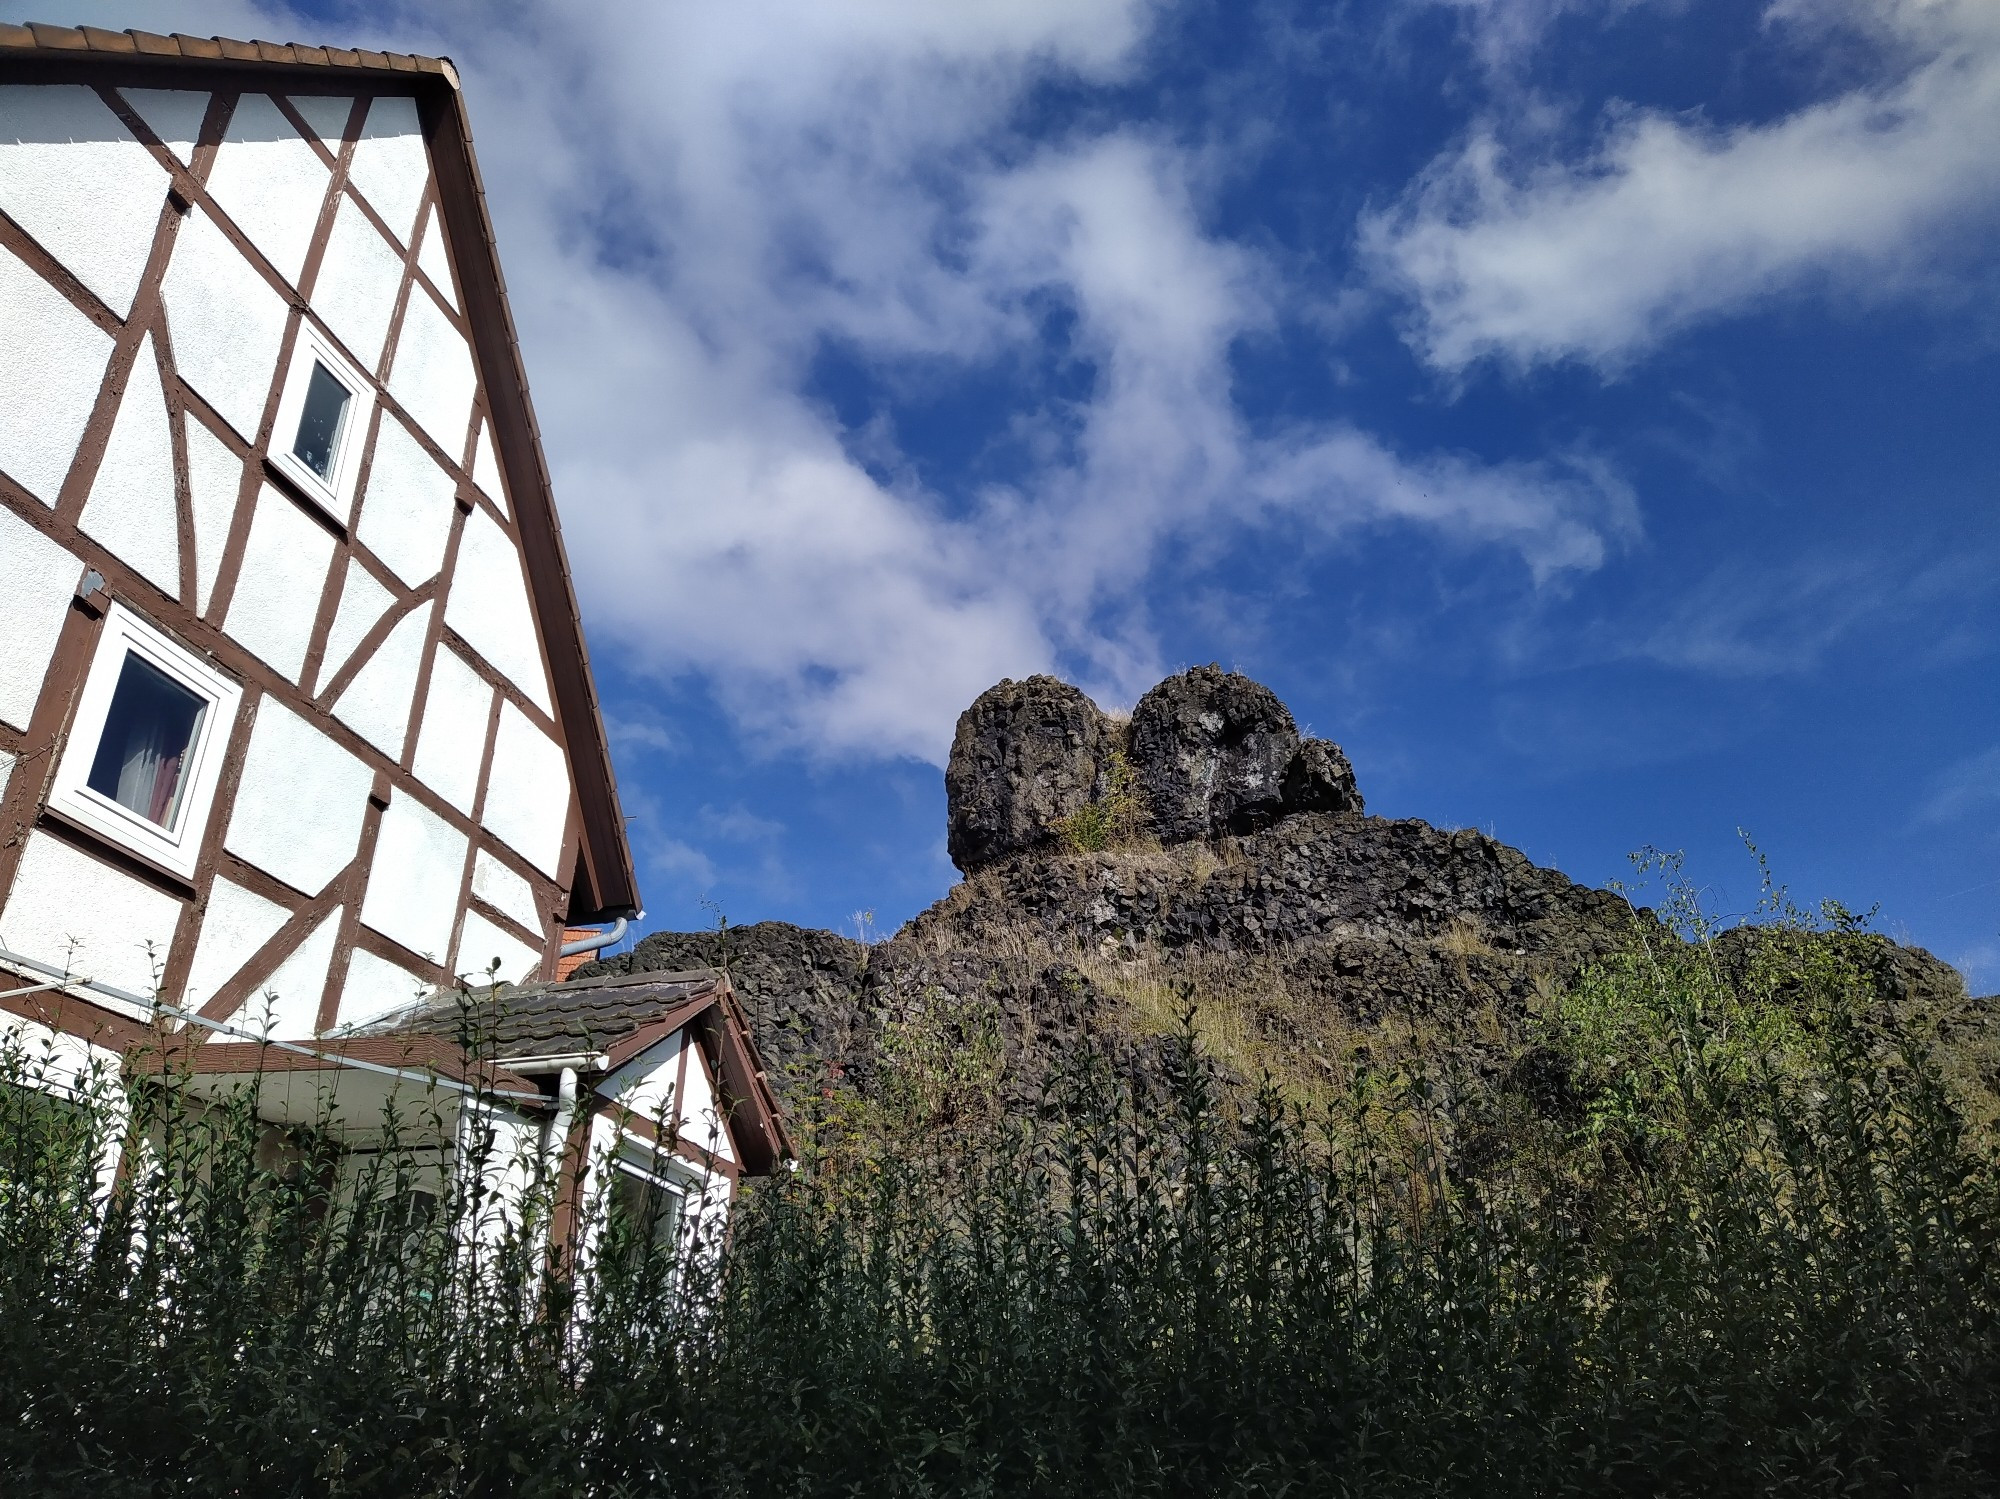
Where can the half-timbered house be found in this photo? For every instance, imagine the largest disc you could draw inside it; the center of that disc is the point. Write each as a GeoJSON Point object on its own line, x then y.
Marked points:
{"type": "Point", "coordinates": [297, 723]}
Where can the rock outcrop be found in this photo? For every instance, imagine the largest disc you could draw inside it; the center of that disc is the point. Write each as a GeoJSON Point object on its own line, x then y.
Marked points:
{"type": "Point", "coordinates": [1207, 754]}
{"type": "Point", "coordinates": [1027, 756]}
{"type": "Point", "coordinates": [1258, 889]}
{"type": "Point", "coordinates": [1210, 750]}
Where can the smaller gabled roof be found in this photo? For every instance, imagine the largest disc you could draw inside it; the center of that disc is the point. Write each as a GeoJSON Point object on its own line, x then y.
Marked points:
{"type": "Point", "coordinates": [612, 1018]}
{"type": "Point", "coordinates": [588, 1016]}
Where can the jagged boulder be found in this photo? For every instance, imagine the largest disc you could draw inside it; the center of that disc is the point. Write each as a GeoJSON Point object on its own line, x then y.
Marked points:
{"type": "Point", "coordinates": [1027, 756]}
{"type": "Point", "coordinates": [1210, 749]}
{"type": "Point", "coordinates": [1319, 779]}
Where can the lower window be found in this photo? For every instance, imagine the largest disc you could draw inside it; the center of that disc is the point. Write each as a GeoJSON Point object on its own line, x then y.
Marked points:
{"type": "Point", "coordinates": [145, 750]}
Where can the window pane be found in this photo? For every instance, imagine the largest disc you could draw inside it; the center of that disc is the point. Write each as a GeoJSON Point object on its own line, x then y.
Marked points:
{"type": "Point", "coordinates": [142, 759]}
{"type": "Point", "coordinates": [644, 1210]}
{"type": "Point", "coordinates": [319, 422]}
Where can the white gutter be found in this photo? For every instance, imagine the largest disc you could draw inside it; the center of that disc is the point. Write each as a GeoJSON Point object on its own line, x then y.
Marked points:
{"type": "Point", "coordinates": [429, 1079]}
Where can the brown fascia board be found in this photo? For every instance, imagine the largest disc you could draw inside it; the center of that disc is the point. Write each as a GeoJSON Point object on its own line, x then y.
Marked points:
{"type": "Point", "coordinates": [606, 883]}
{"type": "Point", "coordinates": [747, 1092]}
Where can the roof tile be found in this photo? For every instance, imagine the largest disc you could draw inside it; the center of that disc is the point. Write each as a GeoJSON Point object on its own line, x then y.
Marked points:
{"type": "Point", "coordinates": [63, 38]}
{"type": "Point", "coordinates": [109, 41]}
{"type": "Point", "coordinates": [547, 1019]}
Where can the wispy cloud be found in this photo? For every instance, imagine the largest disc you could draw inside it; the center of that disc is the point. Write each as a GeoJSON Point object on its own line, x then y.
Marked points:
{"type": "Point", "coordinates": [691, 216]}
{"type": "Point", "coordinates": [1968, 789]}
{"type": "Point", "coordinates": [1523, 258]}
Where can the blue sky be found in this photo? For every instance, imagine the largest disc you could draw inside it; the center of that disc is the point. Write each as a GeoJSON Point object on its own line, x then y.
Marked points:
{"type": "Point", "coordinates": [1583, 412]}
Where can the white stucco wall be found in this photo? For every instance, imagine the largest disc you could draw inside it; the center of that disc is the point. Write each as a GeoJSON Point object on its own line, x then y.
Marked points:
{"type": "Point", "coordinates": [51, 364]}
{"type": "Point", "coordinates": [486, 470]}
{"type": "Point", "coordinates": [644, 1087]}
{"type": "Point", "coordinates": [226, 321]}
{"type": "Point", "coordinates": [406, 513]}
{"type": "Point", "coordinates": [374, 986]}
{"type": "Point", "coordinates": [489, 606]}
{"type": "Point", "coordinates": [359, 278]}
{"type": "Point", "coordinates": [505, 891]}
{"type": "Point", "coordinates": [432, 374]}
{"type": "Point", "coordinates": [37, 580]}
{"type": "Point", "coordinates": [482, 941]}
{"type": "Point", "coordinates": [452, 742]}
{"type": "Point", "coordinates": [435, 260]}
{"type": "Point", "coordinates": [390, 166]}
{"type": "Point", "coordinates": [83, 187]}
{"type": "Point", "coordinates": [69, 910]}
{"type": "Point", "coordinates": [285, 1004]}
{"type": "Point", "coordinates": [301, 802]}
{"type": "Point", "coordinates": [378, 702]}
{"type": "Point", "coordinates": [175, 115]}
{"type": "Point", "coordinates": [132, 507]}
{"type": "Point", "coordinates": [527, 795]}
{"type": "Point", "coordinates": [413, 881]}
{"type": "Point", "coordinates": [215, 478]}
{"type": "Point", "coordinates": [270, 182]}
{"type": "Point", "coordinates": [277, 592]}
{"type": "Point", "coordinates": [235, 924]}
{"type": "Point", "coordinates": [362, 602]}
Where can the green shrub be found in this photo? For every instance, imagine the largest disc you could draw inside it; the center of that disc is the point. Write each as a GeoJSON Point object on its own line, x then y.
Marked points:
{"type": "Point", "coordinates": [1724, 1231]}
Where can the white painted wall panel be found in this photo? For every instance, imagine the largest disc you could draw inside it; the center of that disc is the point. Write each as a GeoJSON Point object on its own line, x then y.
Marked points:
{"type": "Point", "coordinates": [277, 592]}
{"type": "Point", "coordinates": [374, 987]}
{"type": "Point", "coordinates": [432, 375]}
{"type": "Point", "coordinates": [452, 742]}
{"type": "Point", "coordinates": [51, 365]}
{"type": "Point", "coordinates": [489, 608]}
{"type": "Point", "coordinates": [413, 881]}
{"type": "Point", "coordinates": [236, 923]}
{"type": "Point", "coordinates": [226, 321]}
{"type": "Point", "coordinates": [300, 805]}
{"type": "Point", "coordinates": [175, 115]}
{"type": "Point", "coordinates": [359, 279]}
{"type": "Point", "coordinates": [37, 580]}
{"type": "Point", "coordinates": [483, 941]}
{"type": "Point", "coordinates": [362, 602]}
{"type": "Point", "coordinates": [646, 1082]}
{"type": "Point", "coordinates": [527, 794]}
{"type": "Point", "coordinates": [270, 182]}
{"type": "Point", "coordinates": [406, 514]}
{"type": "Point", "coordinates": [434, 260]}
{"type": "Point", "coordinates": [75, 178]}
{"type": "Point", "coordinates": [505, 891]}
{"type": "Point", "coordinates": [390, 164]}
{"type": "Point", "coordinates": [286, 1005]}
{"type": "Point", "coordinates": [215, 479]}
{"type": "Point", "coordinates": [69, 910]}
{"type": "Point", "coordinates": [486, 471]}
{"type": "Point", "coordinates": [132, 507]}
{"type": "Point", "coordinates": [327, 114]}
{"type": "Point", "coordinates": [378, 703]}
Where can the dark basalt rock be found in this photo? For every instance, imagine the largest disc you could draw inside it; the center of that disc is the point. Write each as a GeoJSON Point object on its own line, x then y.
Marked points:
{"type": "Point", "coordinates": [1319, 779]}
{"type": "Point", "coordinates": [1210, 749]}
{"type": "Point", "coordinates": [1027, 755]}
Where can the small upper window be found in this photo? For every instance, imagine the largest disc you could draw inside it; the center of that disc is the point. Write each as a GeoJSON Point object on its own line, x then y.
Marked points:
{"type": "Point", "coordinates": [320, 421]}
{"type": "Point", "coordinates": [322, 424]}
{"type": "Point", "coordinates": [145, 749]}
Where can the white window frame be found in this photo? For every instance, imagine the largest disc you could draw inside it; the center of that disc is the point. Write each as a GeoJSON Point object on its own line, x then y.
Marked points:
{"type": "Point", "coordinates": [334, 494]}
{"type": "Point", "coordinates": [174, 849]}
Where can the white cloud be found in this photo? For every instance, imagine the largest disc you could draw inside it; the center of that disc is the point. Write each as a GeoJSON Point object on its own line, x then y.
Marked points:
{"type": "Point", "coordinates": [1969, 789]}
{"type": "Point", "coordinates": [693, 201]}
{"type": "Point", "coordinates": [1671, 221]}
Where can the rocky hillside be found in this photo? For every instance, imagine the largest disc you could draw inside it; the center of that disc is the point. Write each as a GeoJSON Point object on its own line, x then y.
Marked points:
{"type": "Point", "coordinates": [1202, 850]}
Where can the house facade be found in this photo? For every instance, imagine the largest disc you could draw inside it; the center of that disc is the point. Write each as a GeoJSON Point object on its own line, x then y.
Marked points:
{"type": "Point", "coordinates": [297, 724]}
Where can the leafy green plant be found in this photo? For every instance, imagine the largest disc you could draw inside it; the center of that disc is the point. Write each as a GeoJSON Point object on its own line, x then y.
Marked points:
{"type": "Point", "coordinates": [1114, 818]}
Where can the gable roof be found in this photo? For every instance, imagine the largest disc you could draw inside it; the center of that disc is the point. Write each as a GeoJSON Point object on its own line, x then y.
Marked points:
{"type": "Point", "coordinates": [605, 883]}
{"type": "Point", "coordinates": [610, 1020]}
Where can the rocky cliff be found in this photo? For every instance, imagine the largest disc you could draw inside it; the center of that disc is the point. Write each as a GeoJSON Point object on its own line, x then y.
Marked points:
{"type": "Point", "coordinates": [1200, 852]}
